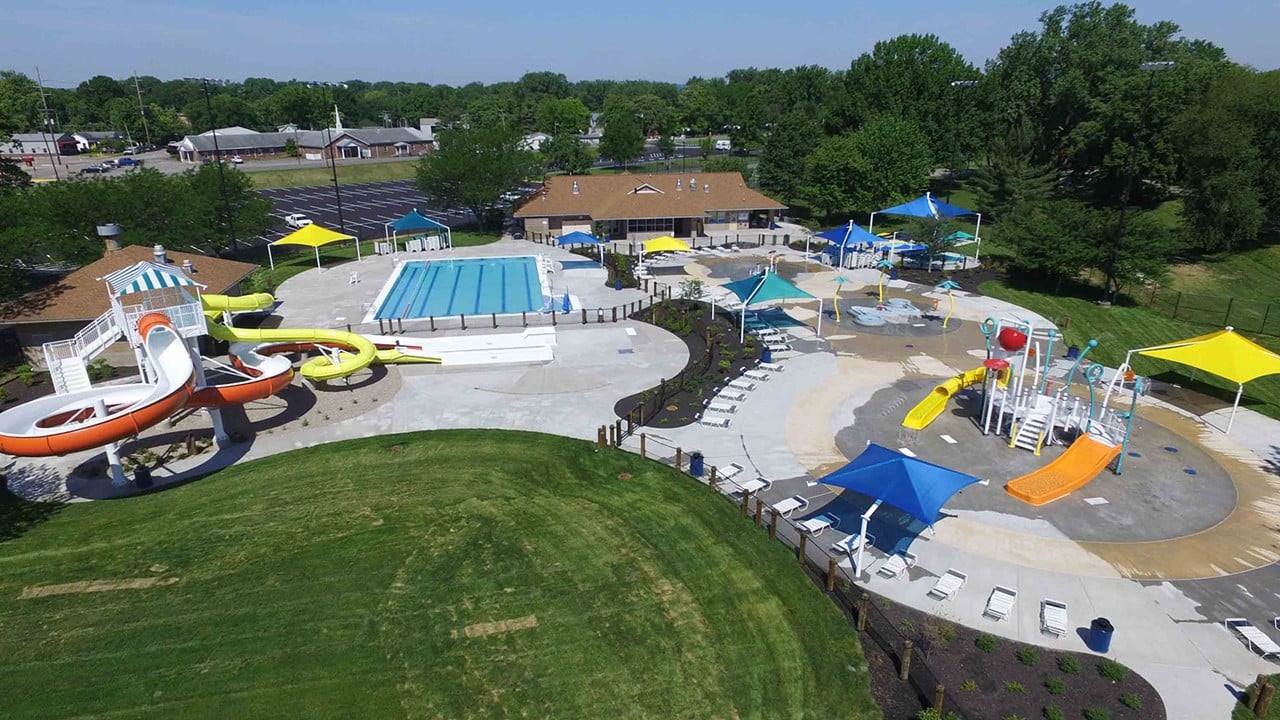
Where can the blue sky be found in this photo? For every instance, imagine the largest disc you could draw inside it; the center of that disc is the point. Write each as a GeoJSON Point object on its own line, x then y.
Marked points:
{"type": "Point", "coordinates": [493, 40]}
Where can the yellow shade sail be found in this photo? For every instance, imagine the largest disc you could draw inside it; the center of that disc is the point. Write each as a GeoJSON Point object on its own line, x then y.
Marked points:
{"type": "Point", "coordinates": [313, 236]}
{"type": "Point", "coordinates": [666, 243]}
{"type": "Point", "coordinates": [1224, 353]}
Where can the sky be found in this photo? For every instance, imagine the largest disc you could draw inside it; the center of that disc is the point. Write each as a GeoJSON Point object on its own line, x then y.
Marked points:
{"type": "Point", "coordinates": [495, 40]}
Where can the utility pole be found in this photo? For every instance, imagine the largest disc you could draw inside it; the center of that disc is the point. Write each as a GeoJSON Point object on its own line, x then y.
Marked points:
{"type": "Point", "coordinates": [141, 111]}
{"type": "Point", "coordinates": [222, 177]}
{"type": "Point", "coordinates": [55, 158]}
{"type": "Point", "coordinates": [333, 165]}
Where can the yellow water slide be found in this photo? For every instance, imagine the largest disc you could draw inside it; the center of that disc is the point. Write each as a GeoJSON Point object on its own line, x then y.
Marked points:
{"type": "Point", "coordinates": [355, 352]}
{"type": "Point", "coordinates": [935, 402]}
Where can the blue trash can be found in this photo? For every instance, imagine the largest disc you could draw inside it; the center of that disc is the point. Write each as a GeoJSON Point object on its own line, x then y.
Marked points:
{"type": "Point", "coordinates": [696, 464]}
{"type": "Point", "coordinates": [766, 355]}
{"type": "Point", "coordinates": [617, 284]}
{"type": "Point", "coordinates": [1100, 632]}
{"type": "Point", "coordinates": [1073, 352]}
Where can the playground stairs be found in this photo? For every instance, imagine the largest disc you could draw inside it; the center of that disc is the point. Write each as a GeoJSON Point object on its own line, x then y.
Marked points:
{"type": "Point", "coordinates": [1028, 436]}
{"type": "Point", "coordinates": [67, 359]}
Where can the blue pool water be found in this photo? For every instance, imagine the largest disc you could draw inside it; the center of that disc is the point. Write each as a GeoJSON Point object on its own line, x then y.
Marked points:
{"type": "Point", "coordinates": [467, 286]}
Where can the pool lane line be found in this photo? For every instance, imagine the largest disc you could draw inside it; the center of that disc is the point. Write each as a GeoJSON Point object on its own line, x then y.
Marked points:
{"type": "Point", "coordinates": [475, 310]}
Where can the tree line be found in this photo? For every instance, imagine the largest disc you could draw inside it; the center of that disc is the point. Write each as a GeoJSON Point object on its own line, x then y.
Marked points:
{"type": "Point", "coordinates": [1064, 126]}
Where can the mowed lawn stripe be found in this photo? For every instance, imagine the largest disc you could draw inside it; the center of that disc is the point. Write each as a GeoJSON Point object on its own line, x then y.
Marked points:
{"type": "Point", "coordinates": [340, 580]}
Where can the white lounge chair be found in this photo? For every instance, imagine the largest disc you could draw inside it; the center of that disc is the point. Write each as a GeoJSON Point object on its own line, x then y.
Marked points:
{"type": "Point", "coordinates": [1053, 617]}
{"type": "Point", "coordinates": [714, 421]}
{"type": "Point", "coordinates": [754, 486]}
{"type": "Point", "coordinates": [948, 585]}
{"type": "Point", "coordinates": [771, 366]}
{"type": "Point", "coordinates": [740, 384]}
{"type": "Point", "coordinates": [897, 564]}
{"type": "Point", "coordinates": [1001, 602]}
{"type": "Point", "coordinates": [731, 396]}
{"type": "Point", "coordinates": [722, 407]}
{"type": "Point", "coordinates": [730, 471]}
{"type": "Point", "coordinates": [765, 331]}
{"type": "Point", "coordinates": [815, 525]}
{"type": "Point", "coordinates": [760, 375]}
{"type": "Point", "coordinates": [790, 505]}
{"type": "Point", "coordinates": [1256, 639]}
{"type": "Point", "coordinates": [850, 544]}
{"type": "Point", "coordinates": [779, 347]}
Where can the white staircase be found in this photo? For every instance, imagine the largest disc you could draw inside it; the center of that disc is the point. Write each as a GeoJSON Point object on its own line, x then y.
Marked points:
{"type": "Point", "coordinates": [1029, 431]}
{"type": "Point", "coordinates": [67, 359]}
{"type": "Point", "coordinates": [70, 375]}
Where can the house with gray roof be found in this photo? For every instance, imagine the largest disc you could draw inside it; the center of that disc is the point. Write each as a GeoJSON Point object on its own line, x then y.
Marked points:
{"type": "Point", "coordinates": [311, 144]}
{"type": "Point", "coordinates": [29, 144]}
{"type": "Point", "coordinates": [87, 140]}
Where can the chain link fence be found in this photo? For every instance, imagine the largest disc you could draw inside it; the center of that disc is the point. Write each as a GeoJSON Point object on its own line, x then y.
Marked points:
{"type": "Point", "coordinates": [1250, 316]}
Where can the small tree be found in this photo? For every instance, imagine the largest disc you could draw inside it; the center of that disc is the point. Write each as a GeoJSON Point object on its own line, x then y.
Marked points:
{"type": "Point", "coordinates": [692, 289]}
{"type": "Point", "coordinates": [290, 147]}
{"type": "Point", "coordinates": [934, 234]}
{"type": "Point", "coordinates": [705, 146]}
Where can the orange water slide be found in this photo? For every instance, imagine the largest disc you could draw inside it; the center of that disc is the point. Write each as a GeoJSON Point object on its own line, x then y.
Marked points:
{"type": "Point", "coordinates": [1070, 471]}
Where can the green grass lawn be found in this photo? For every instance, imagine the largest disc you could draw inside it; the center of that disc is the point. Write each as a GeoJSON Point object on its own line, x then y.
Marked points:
{"type": "Point", "coordinates": [1250, 274]}
{"type": "Point", "coordinates": [362, 578]}
{"type": "Point", "coordinates": [303, 259]}
{"type": "Point", "coordinates": [310, 174]}
{"type": "Point", "coordinates": [1121, 328]}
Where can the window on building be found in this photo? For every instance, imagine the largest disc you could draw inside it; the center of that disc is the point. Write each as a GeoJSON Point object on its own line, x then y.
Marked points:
{"type": "Point", "coordinates": [666, 225]}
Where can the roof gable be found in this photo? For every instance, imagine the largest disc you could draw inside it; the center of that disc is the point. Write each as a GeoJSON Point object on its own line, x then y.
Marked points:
{"type": "Point", "coordinates": [619, 197]}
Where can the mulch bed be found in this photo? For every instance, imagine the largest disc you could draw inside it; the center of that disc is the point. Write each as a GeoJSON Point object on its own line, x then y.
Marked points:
{"type": "Point", "coordinates": [969, 279]}
{"type": "Point", "coordinates": [1000, 683]}
{"type": "Point", "coordinates": [679, 400]}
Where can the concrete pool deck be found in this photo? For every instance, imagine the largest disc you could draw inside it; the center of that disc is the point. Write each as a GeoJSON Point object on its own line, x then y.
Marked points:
{"type": "Point", "coordinates": [1166, 594]}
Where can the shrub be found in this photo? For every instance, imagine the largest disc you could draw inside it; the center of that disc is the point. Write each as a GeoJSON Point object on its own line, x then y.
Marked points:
{"type": "Point", "coordinates": [1014, 687]}
{"type": "Point", "coordinates": [1053, 712]}
{"type": "Point", "coordinates": [692, 289]}
{"type": "Point", "coordinates": [4, 395]}
{"type": "Point", "coordinates": [907, 626]}
{"type": "Point", "coordinates": [947, 632]}
{"type": "Point", "coordinates": [725, 366]}
{"type": "Point", "coordinates": [1112, 670]}
{"type": "Point", "coordinates": [931, 714]}
{"type": "Point", "coordinates": [986, 643]}
{"type": "Point", "coordinates": [26, 374]}
{"type": "Point", "coordinates": [1131, 701]}
{"type": "Point", "coordinates": [969, 685]}
{"type": "Point", "coordinates": [1097, 713]}
{"type": "Point", "coordinates": [1055, 686]}
{"type": "Point", "coordinates": [1028, 656]}
{"type": "Point", "coordinates": [1069, 665]}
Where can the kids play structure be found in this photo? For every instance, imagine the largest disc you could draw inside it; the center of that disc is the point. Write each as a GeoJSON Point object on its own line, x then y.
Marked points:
{"type": "Point", "coordinates": [1026, 398]}
{"type": "Point", "coordinates": [163, 321]}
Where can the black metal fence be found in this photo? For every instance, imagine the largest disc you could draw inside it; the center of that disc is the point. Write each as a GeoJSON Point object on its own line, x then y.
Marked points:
{"type": "Point", "coordinates": [859, 605]}
{"type": "Point", "coordinates": [740, 239]}
{"type": "Point", "coordinates": [1252, 316]}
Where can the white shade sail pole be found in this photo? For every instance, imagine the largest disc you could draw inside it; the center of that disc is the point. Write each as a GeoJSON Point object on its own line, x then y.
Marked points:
{"type": "Point", "coordinates": [977, 233]}
{"type": "Point", "coordinates": [1236, 406]}
{"type": "Point", "coordinates": [820, 306]}
{"type": "Point", "coordinates": [317, 249]}
{"type": "Point", "coordinates": [862, 538]}
{"type": "Point", "coordinates": [271, 258]}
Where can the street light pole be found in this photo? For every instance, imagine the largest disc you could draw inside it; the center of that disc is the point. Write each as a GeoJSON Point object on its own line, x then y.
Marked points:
{"type": "Point", "coordinates": [222, 175]}
{"type": "Point", "coordinates": [1109, 291]}
{"type": "Point", "coordinates": [333, 161]}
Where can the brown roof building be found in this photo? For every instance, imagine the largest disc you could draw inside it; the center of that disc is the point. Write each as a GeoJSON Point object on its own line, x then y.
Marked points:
{"type": "Point", "coordinates": [58, 311]}
{"type": "Point", "coordinates": [638, 207]}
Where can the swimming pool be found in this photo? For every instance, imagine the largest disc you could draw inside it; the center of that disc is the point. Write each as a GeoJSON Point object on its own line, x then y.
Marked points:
{"type": "Point", "coordinates": [462, 286]}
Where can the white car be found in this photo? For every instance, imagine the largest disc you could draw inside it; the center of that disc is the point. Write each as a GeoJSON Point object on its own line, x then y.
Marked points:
{"type": "Point", "coordinates": [236, 160]}
{"type": "Point", "coordinates": [297, 220]}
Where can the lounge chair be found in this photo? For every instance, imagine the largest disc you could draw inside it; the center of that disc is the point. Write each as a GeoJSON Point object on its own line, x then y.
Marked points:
{"type": "Point", "coordinates": [771, 366]}
{"type": "Point", "coordinates": [815, 525]}
{"type": "Point", "coordinates": [948, 585]}
{"type": "Point", "coordinates": [778, 347]}
{"type": "Point", "coordinates": [731, 396]}
{"type": "Point", "coordinates": [1256, 639]}
{"type": "Point", "coordinates": [1001, 602]}
{"type": "Point", "coordinates": [754, 486]}
{"type": "Point", "coordinates": [760, 375]}
{"type": "Point", "coordinates": [790, 505]}
{"type": "Point", "coordinates": [714, 421]}
{"type": "Point", "coordinates": [1053, 618]}
{"type": "Point", "coordinates": [765, 331]}
{"type": "Point", "coordinates": [730, 471]}
{"type": "Point", "coordinates": [897, 564]}
{"type": "Point", "coordinates": [722, 407]}
{"type": "Point", "coordinates": [740, 384]}
{"type": "Point", "coordinates": [849, 545]}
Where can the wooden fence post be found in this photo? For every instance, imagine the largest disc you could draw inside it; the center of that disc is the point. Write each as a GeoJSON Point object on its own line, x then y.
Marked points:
{"type": "Point", "coordinates": [804, 542]}
{"type": "Point", "coordinates": [618, 433]}
{"type": "Point", "coordinates": [906, 660]}
{"type": "Point", "coordinates": [864, 604]}
{"type": "Point", "coordinates": [832, 566]}
{"type": "Point", "coordinates": [613, 435]}
{"type": "Point", "coordinates": [600, 437]}
{"type": "Point", "coordinates": [644, 450]}
{"type": "Point", "coordinates": [1252, 692]}
{"type": "Point", "coordinates": [773, 524]}
{"type": "Point", "coordinates": [679, 459]}
{"type": "Point", "coordinates": [615, 313]}
{"type": "Point", "coordinates": [759, 510]}
{"type": "Point", "coordinates": [1263, 705]}
{"type": "Point", "coordinates": [939, 694]}
{"type": "Point", "coordinates": [746, 499]}
{"type": "Point", "coordinates": [711, 479]}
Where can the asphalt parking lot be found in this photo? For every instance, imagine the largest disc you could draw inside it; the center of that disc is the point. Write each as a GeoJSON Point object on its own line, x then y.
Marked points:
{"type": "Point", "coordinates": [366, 207]}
